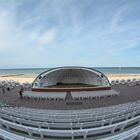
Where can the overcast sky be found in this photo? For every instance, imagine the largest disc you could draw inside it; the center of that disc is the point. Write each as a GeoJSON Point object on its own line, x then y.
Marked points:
{"type": "Point", "coordinates": [49, 33]}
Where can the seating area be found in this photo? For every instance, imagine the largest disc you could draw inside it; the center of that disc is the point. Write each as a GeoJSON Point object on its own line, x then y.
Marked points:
{"type": "Point", "coordinates": [40, 95]}
{"type": "Point", "coordinates": [132, 82]}
{"type": "Point", "coordinates": [95, 94]}
{"type": "Point", "coordinates": [76, 95]}
{"type": "Point", "coordinates": [106, 123]}
{"type": "Point", "coordinates": [12, 84]}
{"type": "Point", "coordinates": [83, 122]}
{"type": "Point", "coordinates": [127, 94]}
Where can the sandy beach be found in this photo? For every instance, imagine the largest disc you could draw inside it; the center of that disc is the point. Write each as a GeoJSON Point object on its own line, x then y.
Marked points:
{"type": "Point", "coordinates": [30, 79]}
{"type": "Point", "coordinates": [19, 79]}
{"type": "Point", "coordinates": [122, 76]}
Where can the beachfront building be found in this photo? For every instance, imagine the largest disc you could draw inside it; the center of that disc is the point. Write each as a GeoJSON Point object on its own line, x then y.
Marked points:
{"type": "Point", "coordinates": [70, 77]}
{"type": "Point", "coordinates": [71, 103]}
{"type": "Point", "coordinates": [73, 82]}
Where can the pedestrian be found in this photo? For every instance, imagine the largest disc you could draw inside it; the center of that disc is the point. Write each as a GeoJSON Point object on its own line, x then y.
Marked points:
{"type": "Point", "coordinates": [3, 89]}
{"type": "Point", "coordinates": [20, 93]}
{"type": "Point", "coordinates": [8, 89]}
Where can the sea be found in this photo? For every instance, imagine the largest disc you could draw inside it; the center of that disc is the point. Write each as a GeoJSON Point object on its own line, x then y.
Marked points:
{"type": "Point", "coordinates": [33, 72]}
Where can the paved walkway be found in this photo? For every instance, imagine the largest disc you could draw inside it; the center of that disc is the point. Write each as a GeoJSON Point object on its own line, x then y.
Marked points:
{"type": "Point", "coordinates": [127, 94]}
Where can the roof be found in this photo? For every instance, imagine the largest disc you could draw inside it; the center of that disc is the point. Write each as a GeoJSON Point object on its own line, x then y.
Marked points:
{"type": "Point", "coordinates": [60, 70]}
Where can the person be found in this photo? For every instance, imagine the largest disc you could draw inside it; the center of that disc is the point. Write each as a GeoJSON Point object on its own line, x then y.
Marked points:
{"type": "Point", "coordinates": [8, 89]}
{"type": "Point", "coordinates": [3, 89]}
{"type": "Point", "coordinates": [21, 89]}
{"type": "Point", "coordinates": [20, 93]}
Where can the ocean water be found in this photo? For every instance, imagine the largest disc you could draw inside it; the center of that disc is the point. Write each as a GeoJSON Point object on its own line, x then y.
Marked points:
{"type": "Point", "coordinates": [32, 72]}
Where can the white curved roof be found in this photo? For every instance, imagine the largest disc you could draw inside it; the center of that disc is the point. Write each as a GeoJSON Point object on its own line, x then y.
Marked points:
{"type": "Point", "coordinates": [69, 75]}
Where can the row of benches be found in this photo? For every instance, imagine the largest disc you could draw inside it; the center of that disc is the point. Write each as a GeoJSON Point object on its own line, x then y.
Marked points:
{"type": "Point", "coordinates": [69, 134]}
{"type": "Point", "coordinates": [88, 123]}
{"type": "Point", "coordinates": [75, 95]}
{"type": "Point", "coordinates": [120, 123]}
{"type": "Point", "coordinates": [79, 117]}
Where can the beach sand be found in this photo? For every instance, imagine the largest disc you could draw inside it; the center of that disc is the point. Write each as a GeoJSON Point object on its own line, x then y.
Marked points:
{"type": "Point", "coordinates": [30, 79]}
{"type": "Point", "coordinates": [122, 76]}
{"type": "Point", "coordinates": [19, 79]}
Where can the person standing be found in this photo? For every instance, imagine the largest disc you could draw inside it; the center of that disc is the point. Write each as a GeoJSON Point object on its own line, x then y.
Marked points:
{"type": "Point", "coordinates": [3, 89]}
{"type": "Point", "coordinates": [20, 93]}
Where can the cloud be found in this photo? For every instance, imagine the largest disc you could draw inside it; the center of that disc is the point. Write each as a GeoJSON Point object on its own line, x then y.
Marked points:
{"type": "Point", "coordinates": [47, 37]}
{"type": "Point", "coordinates": [92, 33]}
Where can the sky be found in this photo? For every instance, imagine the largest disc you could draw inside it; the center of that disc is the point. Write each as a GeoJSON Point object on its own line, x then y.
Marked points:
{"type": "Point", "coordinates": [51, 33]}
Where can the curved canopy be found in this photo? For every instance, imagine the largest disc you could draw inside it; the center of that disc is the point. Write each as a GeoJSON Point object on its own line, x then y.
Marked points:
{"type": "Point", "coordinates": [70, 75]}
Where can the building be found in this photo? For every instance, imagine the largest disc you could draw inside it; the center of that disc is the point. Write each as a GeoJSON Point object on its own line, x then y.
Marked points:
{"type": "Point", "coordinates": [73, 82]}
{"type": "Point", "coordinates": [72, 78]}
